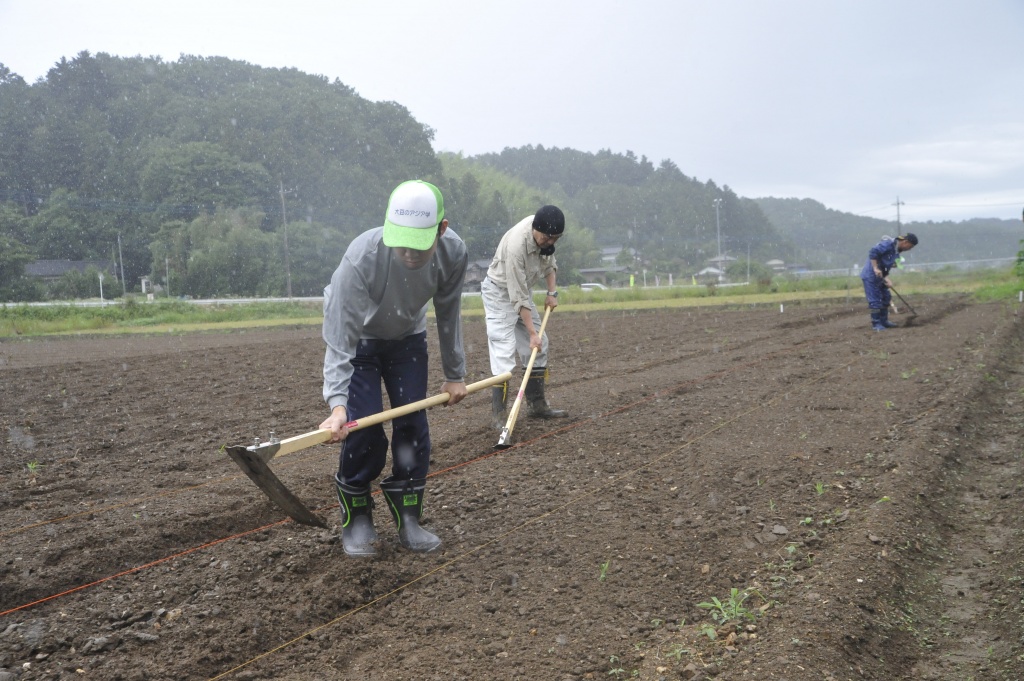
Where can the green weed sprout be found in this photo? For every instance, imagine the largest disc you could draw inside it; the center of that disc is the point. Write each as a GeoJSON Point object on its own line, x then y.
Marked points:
{"type": "Point", "coordinates": [732, 610]}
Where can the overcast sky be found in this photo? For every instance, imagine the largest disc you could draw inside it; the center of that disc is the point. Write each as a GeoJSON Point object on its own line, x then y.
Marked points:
{"type": "Point", "coordinates": [852, 103]}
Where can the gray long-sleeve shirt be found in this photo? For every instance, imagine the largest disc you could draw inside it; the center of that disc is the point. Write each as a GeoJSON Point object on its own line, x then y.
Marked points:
{"type": "Point", "coordinates": [373, 295]}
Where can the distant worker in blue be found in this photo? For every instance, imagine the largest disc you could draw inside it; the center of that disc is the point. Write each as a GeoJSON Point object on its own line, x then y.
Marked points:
{"type": "Point", "coordinates": [882, 258]}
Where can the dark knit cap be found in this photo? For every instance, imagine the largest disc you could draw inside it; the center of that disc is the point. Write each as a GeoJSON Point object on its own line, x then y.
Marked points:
{"type": "Point", "coordinates": [549, 220]}
{"type": "Point", "coordinates": [911, 237]}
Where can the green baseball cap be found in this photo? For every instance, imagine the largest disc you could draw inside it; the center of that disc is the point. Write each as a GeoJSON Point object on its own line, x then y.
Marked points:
{"type": "Point", "coordinates": [415, 209]}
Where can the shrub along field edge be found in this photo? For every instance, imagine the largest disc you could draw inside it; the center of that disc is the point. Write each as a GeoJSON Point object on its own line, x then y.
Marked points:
{"type": "Point", "coordinates": [179, 316]}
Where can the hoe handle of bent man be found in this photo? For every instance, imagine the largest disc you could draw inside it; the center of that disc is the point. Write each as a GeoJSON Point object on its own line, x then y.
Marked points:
{"type": "Point", "coordinates": [253, 460]}
{"type": "Point", "coordinates": [904, 301]}
{"type": "Point", "coordinates": [513, 413]}
{"type": "Point", "coordinates": [315, 437]}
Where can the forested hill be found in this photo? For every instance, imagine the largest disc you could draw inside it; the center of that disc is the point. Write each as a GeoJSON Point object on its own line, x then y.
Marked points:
{"type": "Point", "coordinates": [669, 218]}
{"type": "Point", "coordinates": [833, 239]}
{"type": "Point", "coordinates": [186, 162]}
{"type": "Point", "coordinates": [215, 177]}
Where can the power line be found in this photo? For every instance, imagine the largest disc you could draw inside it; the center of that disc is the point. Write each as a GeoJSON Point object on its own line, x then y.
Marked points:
{"type": "Point", "coordinates": [968, 205]}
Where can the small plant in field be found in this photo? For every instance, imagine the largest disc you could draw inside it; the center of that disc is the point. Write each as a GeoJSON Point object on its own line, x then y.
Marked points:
{"type": "Point", "coordinates": [677, 651]}
{"type": "Point", "coordinates": [604, 570]}
{"type": "Point", "coordinates": [771, 505]}
{"type": "Point", "coordinates": [820, 488]}
{"type": "Point", "coordinates": [807, 521]}
{"type": "Point", "coordinates": [883, 499]}
{"type": "Point", "coordinates": [615, 671]}
{"type": "Point", "coordinates": [657, 623]}
{"type": "Point", "coordinates": [33, 467]}
{"type": "Point", "coordinates": [709, 631]}
{"type": "Point", "coordinates": [732, 609]}
{"type": "Point", "coordinates": [907, 374]}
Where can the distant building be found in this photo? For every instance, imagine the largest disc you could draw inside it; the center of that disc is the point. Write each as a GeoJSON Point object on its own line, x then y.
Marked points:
{"type": "Point", "coordinates": [52, 270]}
{"type": "Point", "coordinates": [720, 262]}
{"type": "Point", "coordinates": [776, 265]}
{"type": "Point", "coordinates": [710, 274]}
{"type": "Point", "coordinates": [476, 271]}
{"type": "Point", "coordinates": [600, 274]}
{"type": "Point", "coordinates": [610, 254]}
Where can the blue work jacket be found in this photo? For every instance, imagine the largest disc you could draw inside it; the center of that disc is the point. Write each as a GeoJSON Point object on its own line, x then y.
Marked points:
{"type": "Point", "coordinates": [887, 255]}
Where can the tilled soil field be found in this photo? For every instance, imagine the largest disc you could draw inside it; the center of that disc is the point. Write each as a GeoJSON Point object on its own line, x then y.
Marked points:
{"type": "Point", "coordinates": [852, 500]}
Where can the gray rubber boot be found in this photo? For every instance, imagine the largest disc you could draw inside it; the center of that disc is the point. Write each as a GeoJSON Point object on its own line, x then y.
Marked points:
{"type": "Point", "coordinates": [885, 319]}
{"type": "Point", "coordinates": [499, 405]}
{"type": "Point", "coordinates": [876, 320]}
{"type": "Point", "coordinates": [405, 499]}
{"type": "Point", "coordinates": [357, 532]}
{"type": "Point", "coordinates": [534, 394]}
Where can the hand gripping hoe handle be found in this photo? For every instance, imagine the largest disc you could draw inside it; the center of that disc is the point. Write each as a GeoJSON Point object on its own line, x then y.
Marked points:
{"type": "Point", "coordinates": [513, 414]}
{"type": "Point", "coordinates": [254, 459]}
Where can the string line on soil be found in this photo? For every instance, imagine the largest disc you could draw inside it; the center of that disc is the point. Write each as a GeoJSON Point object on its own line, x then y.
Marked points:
{"type": "Point", "coordinates": [138, 500]}
{"type": "Point", "coordinates": [139, 568]}
{"type": "Point", "coordinates": [572, 426]}
{"type": "Point", "coordinates": [613, 480]}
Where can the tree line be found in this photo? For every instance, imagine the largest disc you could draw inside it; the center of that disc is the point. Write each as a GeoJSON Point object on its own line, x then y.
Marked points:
{"type": "Point", "coordinates": [227, 178]}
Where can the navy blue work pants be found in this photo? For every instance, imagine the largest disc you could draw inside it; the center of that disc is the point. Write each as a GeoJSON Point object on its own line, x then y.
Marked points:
{"type": "Point", "coordinates": [878, 294]}
{"type": "Point", "coordinates": [402, 367]}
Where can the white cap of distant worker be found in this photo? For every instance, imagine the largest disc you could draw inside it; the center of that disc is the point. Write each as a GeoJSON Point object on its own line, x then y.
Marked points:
{"type": "Point", "coordinates": [415, 210]}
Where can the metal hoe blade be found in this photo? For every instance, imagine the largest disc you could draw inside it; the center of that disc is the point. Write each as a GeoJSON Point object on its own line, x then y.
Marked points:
{"type": "Point", "coordinates": [503, 439]}
{"type": "Point", "coordinates": [253, 462]}
{"type": "Point", "coordinates": [913, 313]}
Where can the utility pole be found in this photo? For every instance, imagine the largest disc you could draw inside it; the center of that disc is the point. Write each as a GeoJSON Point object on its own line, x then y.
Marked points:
{"type": "Point", "coordinates": [718, 228]}
{"type": "Point", "coordinates": [287, 260]}
{"type": "Point", "coordinates": [124, 289]}
{"type": "Point", "coordinates": [167, 274]}
{"type": "Point", "coordinates": [898, 204]}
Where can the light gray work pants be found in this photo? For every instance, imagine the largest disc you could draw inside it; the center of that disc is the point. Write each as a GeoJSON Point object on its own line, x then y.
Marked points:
{"type": "Point", "coordinates": [506, 333]}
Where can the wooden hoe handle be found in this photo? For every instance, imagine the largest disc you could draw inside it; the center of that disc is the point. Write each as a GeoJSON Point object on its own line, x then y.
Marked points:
{"type": "Point", "coordinates": [315, 437]}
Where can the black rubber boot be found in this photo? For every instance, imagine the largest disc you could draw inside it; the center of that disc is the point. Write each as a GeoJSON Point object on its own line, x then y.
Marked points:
{"type": "Point", "coordinates": [876, 320]}
{"type": "Point", "coordinates": [534, 395]}
{"type": "Point", "coordinates": [405, 499]}
{"type": "Point", "coordinates": [499, 405]}
{"type": "Point", "coordinates": [885, 320]}
{"type": "Point", "coordinates": [357, 531]}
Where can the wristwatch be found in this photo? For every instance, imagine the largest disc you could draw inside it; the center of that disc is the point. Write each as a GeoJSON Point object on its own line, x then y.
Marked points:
{"type": "Point", "coordinates": [553, 294]}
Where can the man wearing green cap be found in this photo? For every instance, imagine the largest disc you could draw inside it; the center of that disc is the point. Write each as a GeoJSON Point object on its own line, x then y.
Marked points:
{"type": "Point", "coordinates": [375, 320]}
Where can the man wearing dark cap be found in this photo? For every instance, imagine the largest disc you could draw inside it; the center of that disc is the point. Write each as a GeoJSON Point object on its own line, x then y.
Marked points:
{"type": "Point", "coordinates": [884, 256]}
{"type": "Point", "coordinates": [525, 254]}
